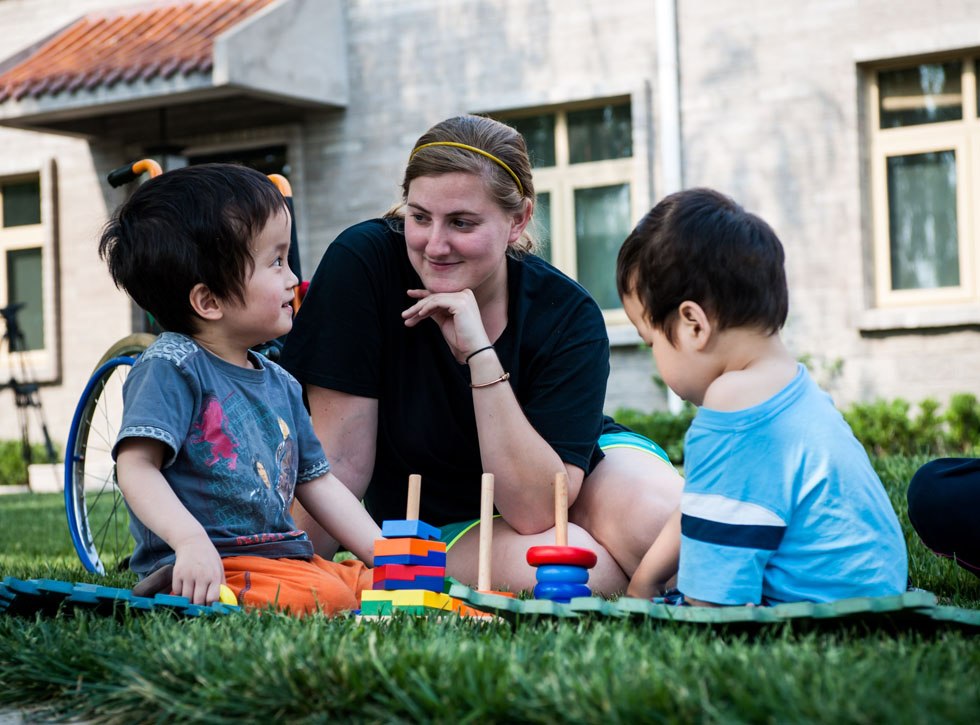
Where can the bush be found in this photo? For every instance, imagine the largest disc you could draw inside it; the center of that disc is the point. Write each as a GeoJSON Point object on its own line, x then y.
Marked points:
{"type": "Point", "coordinates": [891, 428]}
{"type": "Point", "coordinates": [662, 427]}
{"type": "Point", "coordinates": [13, 470]}
{"type": "Point", "coordinates": [884, 427]}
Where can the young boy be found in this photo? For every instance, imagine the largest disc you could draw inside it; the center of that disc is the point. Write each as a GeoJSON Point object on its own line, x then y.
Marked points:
{"type": "Point", "coordinates": [215, 440]}
{"type": "Point", "coordinates": [780, 502]}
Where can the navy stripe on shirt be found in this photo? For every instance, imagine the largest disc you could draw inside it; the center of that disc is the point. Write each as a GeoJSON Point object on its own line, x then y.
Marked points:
{"type": "Point", "coordinates": [751, 536]}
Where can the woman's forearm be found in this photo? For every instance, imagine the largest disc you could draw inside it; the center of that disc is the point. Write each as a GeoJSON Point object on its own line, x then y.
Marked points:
{"type": "Point", "coordinates": [522, 462]}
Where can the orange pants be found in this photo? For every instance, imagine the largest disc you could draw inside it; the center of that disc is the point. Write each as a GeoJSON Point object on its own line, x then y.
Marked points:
{"type": "Point", "coordinates": [297, 586]}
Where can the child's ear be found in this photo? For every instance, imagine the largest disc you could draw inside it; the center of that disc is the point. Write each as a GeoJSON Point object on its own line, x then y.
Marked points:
{"type": "Point", "coordinates": [694, 323]}
{"type": "Point", "coordinates": [204, 302]}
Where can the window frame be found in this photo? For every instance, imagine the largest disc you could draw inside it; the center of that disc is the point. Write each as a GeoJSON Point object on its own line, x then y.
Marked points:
{"type": "Point", "coordinates": [43, 364]}
{"type": "Point", "coordinates": [563, 179]}
{"type": "Point", "coordinates": [960, 136]}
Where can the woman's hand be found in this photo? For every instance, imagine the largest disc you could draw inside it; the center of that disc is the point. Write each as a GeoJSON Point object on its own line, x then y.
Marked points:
{"type": "Point", "coordinates": [458, 317]}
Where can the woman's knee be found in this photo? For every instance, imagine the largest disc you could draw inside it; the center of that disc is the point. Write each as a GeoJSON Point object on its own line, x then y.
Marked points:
{"type": "Point", "coordinates": [629, 490]}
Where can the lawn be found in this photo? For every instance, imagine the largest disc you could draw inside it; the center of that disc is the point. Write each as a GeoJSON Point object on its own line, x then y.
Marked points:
{"type": "Point", "coordinates": [264, 667]}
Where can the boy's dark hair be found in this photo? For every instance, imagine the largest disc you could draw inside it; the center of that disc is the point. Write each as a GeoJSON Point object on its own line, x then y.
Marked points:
{"type": "Point", "coordinates": [700, 245]}
{"type": "Point", "coordinates": [189, 225]}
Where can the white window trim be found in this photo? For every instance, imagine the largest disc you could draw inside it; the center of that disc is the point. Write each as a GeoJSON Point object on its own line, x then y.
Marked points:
{"type": "Point", "coordinates": [963, 137]}
{"type": "Point", "coordinates": [44, 365]}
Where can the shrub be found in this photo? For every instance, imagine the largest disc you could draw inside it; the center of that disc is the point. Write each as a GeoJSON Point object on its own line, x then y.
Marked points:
{"type": "Point", "coordinates": [963, 422]}
{"type": "Point", "coordinates": [662, 427]}
{"type": "Point", "coordinates": [13, 470]}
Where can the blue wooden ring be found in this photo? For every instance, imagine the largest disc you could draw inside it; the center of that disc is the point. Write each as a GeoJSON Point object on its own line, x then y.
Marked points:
{"type": "Point", "coordinates": [557, 592]}
{"type": "Point", "coordinates": [565, 574]}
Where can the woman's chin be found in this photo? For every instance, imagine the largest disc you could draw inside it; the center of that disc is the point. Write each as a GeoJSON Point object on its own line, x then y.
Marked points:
{"type": "Point", "coordinates": [437, 285]}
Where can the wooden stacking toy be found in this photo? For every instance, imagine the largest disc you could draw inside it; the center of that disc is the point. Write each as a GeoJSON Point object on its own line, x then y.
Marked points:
{"type": "Point", "coordinates": [562, 570]}
{"type": "Point", "coordinates": [409, 565]}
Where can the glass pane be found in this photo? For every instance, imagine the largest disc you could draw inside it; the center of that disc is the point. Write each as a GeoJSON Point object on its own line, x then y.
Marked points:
{"type": "Point", "coordinates": [600, 133]}
{"type": "Point", "coordinates": [539, 135]}
{"type": "Point", "coordinates": [602, 221]}
{"type": "Point", "coordinates": [922, 220]}
{"type": "Point", "coordinates": [926, 93]}
{"type": "Point", "coordinates": [21, 203]}
{"type": "Point", "coordinates": [24, 285]}
{"type": "Point", "coordinates": [542, 223]}
{"type": "Point", "coordinates": [268, 160]}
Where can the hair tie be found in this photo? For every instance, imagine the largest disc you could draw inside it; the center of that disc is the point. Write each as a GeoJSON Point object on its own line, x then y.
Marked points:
{"type": "Point", "coordinates": [474, 149]}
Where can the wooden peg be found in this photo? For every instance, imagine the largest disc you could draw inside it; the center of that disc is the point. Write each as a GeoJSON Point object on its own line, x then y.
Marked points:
{"type": "Point", "coordinates": [414, 497]}
{"type": "Point", "coordinates": [561, 508]}
{"type": "Point", "coordinates": [486, 533]}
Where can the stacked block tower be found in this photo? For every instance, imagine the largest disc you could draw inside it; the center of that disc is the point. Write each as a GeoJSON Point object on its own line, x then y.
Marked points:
{"type": "Point", "coordinates": [410, 565]}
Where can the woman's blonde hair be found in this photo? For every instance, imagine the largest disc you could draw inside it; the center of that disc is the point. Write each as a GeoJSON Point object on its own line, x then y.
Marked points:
{"type": "Point", "coordinates": [480, 146]}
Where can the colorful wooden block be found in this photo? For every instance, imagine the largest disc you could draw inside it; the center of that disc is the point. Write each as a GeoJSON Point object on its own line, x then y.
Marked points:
{"type": "Point", "coordinates": [378, 602]}
{"type": "Point", "coordinates": [407, 573]}
{"type": "Point", "coordinates": [429, 583]}
{"type": "Point", "coordinates": [411, 547]}
{"type": "Point", "coordinates": [408, 528]}
{"type": "Point", "coordinates": [433, 558]}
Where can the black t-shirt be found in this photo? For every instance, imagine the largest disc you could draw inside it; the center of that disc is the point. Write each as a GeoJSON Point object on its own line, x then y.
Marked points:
{"type": "Point", "coordinates": [349, 336]}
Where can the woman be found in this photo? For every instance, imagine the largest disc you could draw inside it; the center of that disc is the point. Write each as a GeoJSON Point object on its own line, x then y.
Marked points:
{"type": "Point", "coordinates": [432, 341]}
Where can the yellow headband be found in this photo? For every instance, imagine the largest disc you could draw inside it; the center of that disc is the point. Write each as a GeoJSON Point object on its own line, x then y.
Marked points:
{"type": "Point", "coordinates": [474, 149]}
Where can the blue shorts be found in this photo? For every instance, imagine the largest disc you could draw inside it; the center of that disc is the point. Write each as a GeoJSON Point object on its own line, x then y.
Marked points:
{"type": "Point", "coordinates": [451, 533]}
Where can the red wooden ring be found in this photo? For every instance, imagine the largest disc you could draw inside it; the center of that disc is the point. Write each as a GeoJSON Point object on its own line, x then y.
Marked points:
{"type": "Point", "coordinates": [567, 555]}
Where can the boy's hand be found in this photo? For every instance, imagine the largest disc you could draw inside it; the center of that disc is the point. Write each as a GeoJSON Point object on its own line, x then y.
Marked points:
{"type": "Point", "coordinates": [198, 573]}
{"type": "Point", "coordinates": [658, 568]}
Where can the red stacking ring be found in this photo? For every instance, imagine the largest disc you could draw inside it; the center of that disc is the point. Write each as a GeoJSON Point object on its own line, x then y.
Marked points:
{"type": "Point", "coordinates": [567, 555]}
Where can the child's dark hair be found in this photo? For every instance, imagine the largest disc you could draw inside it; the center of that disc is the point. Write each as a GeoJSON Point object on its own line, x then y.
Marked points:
{"type": "Point", "coordinates": [699, 245]}
{"type": "Point", "coordinates": [187, 226]}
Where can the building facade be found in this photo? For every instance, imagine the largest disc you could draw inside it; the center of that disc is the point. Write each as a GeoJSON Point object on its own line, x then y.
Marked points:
{"type": "Point", "coordinates": [850, 125]}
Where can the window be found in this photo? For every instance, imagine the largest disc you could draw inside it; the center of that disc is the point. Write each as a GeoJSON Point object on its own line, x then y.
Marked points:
{"type": "Point", "coordinates": [21, 266]}
{"type": "Point", "coordinates": [267, 159]}
{"type": "Point", "coordinates": [583, 166]}
{"type": "Point", "coordinates": [925, 154]}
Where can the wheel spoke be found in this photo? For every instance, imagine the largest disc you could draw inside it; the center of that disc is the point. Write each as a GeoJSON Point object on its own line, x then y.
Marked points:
{"type": "Point", "coordinates": [101, 520]}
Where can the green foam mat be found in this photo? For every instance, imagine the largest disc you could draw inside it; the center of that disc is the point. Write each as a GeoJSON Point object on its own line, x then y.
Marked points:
{"type": "Point", "coordinates": [912, 610]}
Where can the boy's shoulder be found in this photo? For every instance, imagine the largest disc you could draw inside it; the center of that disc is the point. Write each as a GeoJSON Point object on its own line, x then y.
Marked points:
{"type": "Point", "coordinates": [277, 371]}
{"type": "Point", "coordinates": [171, 347]}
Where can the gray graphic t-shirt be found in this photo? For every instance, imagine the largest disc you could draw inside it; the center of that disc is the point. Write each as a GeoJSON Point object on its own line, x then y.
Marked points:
{"type": "Point", "coordinates": [239, 442]}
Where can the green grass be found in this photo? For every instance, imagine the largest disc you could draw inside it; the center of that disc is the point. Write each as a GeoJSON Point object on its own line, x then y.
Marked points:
{"type": "Point", "coordinates": [265, 667]}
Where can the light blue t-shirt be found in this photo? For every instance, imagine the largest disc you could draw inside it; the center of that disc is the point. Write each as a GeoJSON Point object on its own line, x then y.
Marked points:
{"type": "Point", "coordinates": [781, 504]}
{"type": "Point", "coordinates": [238, 442]}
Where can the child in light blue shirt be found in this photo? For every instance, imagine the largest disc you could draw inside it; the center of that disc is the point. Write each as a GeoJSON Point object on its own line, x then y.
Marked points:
{"type": "Point", "coordinates": [780, 503]}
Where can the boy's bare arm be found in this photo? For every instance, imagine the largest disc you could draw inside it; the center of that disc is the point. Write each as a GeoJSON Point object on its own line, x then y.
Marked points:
{"type": "Point", "coordinates": [198, 572]}
{"type": "Point", "coordinates": [341, 515]}
{"type": "Point", "coordinates": [659, 564]}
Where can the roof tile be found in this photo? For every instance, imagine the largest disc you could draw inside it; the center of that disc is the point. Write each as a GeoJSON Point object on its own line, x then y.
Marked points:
{"type": "Point", "coordinates": [128, 44]}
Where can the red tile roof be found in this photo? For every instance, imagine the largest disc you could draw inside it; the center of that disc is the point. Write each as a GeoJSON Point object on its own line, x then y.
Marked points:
{"type": "Point", "coordinates": [128, 44]}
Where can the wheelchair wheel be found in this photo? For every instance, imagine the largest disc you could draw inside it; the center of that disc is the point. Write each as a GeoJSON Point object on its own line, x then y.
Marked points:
{"type": "Point", "coordinates": [97, 516]}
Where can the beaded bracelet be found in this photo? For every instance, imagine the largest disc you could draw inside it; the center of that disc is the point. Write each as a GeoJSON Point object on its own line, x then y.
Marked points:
{"type": "Point", "coordinates": [477, 352]}
{"type": "Point", "coordinates": [502, 378]}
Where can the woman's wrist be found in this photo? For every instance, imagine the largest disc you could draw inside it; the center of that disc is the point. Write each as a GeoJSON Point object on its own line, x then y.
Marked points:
{"type": "Point", "coordinates": [476, 352]}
